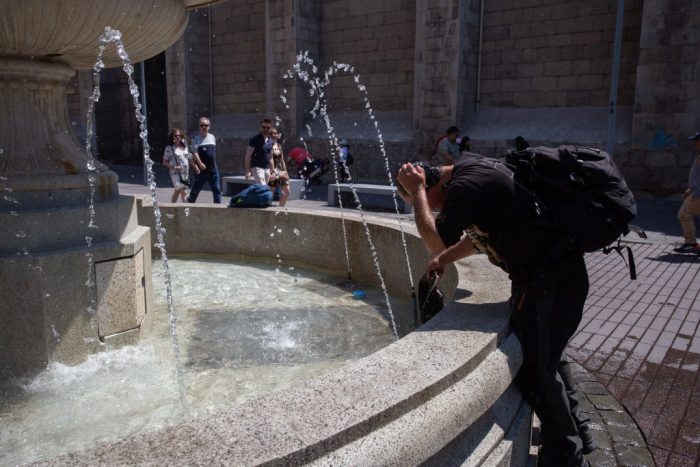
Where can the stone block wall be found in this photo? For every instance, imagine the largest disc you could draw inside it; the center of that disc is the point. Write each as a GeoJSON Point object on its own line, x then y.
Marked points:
{"type": "Point", "coordinates": [377, 38]}
{"type": "Point", "coordinates": [556, 53]}
{"type": "Point", "coordinates": [238, 56]}
{"type": "Point", "coordinates": [437, 58]}
{"type": "Point", "coordinates": [667, 98]}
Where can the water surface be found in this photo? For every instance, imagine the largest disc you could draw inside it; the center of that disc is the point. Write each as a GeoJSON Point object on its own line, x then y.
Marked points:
{"type": "Point", "coordinates": [245, 329]}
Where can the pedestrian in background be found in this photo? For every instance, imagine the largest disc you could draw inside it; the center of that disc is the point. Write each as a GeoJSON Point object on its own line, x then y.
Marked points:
{"type": "Point", "coordinates": [691, 203]}
{"type": "Point", "coordinates": [204, 156]}
{"type": "Point", "coordinates": [176, 158]}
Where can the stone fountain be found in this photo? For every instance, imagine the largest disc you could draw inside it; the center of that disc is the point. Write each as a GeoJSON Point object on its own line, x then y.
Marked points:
{"type": "Point", "coordinates": [439, 396]}
{"type": "Point", "coordinates": [56, 305]}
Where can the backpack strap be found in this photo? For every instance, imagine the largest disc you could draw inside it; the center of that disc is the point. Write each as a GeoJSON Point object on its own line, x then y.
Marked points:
{"type": "Point", "coordinates": [630, 257]}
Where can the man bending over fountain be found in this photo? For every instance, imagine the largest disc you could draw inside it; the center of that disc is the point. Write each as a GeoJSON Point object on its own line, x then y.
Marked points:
{"type": "Point", "coordinates": [482, 209]}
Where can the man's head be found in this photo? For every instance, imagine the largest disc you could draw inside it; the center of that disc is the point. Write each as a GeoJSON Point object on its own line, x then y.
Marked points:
{"type": "Point", "coordinates": [452, 133]}
{"type": "Point", "coordinates": [265, 127]}
{"type": "Point", "coordinates": [695, 141]}
{"type": "Point", "coordinates": [204, 125]}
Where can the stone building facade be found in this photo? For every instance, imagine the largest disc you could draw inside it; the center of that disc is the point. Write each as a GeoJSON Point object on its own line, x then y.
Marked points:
{"type": "Point", "coordinates": [497, 69]}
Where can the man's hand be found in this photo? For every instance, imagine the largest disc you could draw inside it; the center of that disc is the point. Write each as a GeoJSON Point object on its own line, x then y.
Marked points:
{"type": "Point", "coordinates": [435, 266]}
{"type": "Point", "coordinates": [411, 179]}
{"type": "Point", "coordinates": [247, 175]}
{"type": "Point", "coordinates": [196, 169]}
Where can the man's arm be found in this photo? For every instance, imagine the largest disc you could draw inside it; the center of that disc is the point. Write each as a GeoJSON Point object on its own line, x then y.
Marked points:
{"type": "Point", "coordinates": [425, 223]}
{"type": "Point", "coordinates": [459, 250]}
{"type": "Point", "coordinates": [198, 165]}
{"type": "Point", "coordinates": [248, 155]}
{"type": "Point", "coordinates": [411, 180]}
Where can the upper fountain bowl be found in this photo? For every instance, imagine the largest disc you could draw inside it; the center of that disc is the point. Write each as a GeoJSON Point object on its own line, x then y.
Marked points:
{"type": "Point", "coordinates": [67, 30]}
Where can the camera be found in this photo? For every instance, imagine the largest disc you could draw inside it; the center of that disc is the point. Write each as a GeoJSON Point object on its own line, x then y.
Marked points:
{"type": "Point", "coordinates": [432, 174]}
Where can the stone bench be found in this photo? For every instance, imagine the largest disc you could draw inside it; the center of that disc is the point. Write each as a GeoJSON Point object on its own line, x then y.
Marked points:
{"type": "Point", "coordinates": [371, 196]}
{"type": "Point", "coordinates": [231, 185]}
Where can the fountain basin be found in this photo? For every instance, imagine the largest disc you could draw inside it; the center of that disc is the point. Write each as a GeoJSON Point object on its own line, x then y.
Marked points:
{"type": "Point", "coordinates": [442, 394]}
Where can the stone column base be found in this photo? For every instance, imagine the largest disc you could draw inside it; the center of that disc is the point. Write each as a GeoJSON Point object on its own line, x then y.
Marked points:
{"type": "Point", "coordinates": [57, 308]}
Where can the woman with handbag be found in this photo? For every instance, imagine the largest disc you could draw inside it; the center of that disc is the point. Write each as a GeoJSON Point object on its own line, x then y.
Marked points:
{"type": "Point", "coordinates": [176, 158]}
{"type": "Point", "coordinates": [279, 177]}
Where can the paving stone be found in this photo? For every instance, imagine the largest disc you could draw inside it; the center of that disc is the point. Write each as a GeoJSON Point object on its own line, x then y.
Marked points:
{"type": "Point", "coordinates": [676, 460]}
{"type": "Point", "coordinates": [660, 455]}
{"type": "Point", "coordinates": [688, 440]}
{"type": "Point", "coordinates": [617, 418]}
{"type": "Point", "coordinates": [602, 458]}
{"type": "Point", "coordinates": [664, 433]}
{"type": "Point", "coordinates": [601, 438]}
{"type": "Point", "coordinates": [626, 434]}
{"type": "Point", "coordinates": [606, 402]}
{"type": "Point", "coordinates": [586, 406]}
{"type": "Point", "coordinates": [633, 456]}
{"type": "Point", "coordinates": [595, 419]}
{"type": "Point", "coordinates": [593, 388]}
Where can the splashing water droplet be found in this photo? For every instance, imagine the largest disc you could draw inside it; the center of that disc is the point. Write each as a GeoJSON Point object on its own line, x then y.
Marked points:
{"type": "Point", "coordinates": [20, 234]}
{"type": "Point", "coordinates": [187, 212]}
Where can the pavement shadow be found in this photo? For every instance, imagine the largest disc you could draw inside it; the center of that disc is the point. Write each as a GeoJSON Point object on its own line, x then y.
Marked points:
{"type": "Point", "coordinates": [678, 258]}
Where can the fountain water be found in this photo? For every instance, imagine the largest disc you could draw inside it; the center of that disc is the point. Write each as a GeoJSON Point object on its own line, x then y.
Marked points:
{"type": "Point", "coordinates": [113, 36]}
{"type": "Point", "coordinates": [236, 345]}
{"type": "Point", "coordinates": [316, 89]}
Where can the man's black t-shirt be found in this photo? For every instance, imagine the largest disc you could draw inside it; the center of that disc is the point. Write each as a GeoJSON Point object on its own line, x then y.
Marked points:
{"type": "Point", "coordinates": [259, 157]}
{"type": "Point", "coordinates": [483, 199]}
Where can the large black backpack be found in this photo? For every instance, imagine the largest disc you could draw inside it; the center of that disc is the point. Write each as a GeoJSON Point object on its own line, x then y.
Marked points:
{"type": "Point", "coordinates": [578, 189]}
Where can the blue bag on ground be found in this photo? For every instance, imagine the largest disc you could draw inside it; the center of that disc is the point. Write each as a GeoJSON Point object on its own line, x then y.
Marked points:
{"type": "Point", "coordinates": [255, 196]}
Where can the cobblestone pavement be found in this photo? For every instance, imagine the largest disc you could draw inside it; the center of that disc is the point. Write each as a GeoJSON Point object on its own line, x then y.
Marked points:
{"type": "Point", "coordinates": [641, 342]}
{"type": "Point", "coordinates": [638, 344]}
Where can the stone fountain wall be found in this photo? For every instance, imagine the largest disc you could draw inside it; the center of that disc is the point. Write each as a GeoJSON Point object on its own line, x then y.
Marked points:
{"type": "Point", "coordinates": [442, 395]}
{"type": "Point", "coordinates": [56, 305]}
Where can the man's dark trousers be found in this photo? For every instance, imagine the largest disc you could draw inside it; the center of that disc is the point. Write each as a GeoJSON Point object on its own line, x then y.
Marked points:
{"type": "Point", "coordinates": [210, 175]}
{"type": "Point", "coordinates": [546, 310]}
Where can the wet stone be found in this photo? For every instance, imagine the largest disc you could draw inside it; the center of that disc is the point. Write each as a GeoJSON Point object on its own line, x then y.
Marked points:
{"type": "Point", "coordinates": [633, 456]}
{"type": "Point", "coordinates": [617, 418]}
{"type": "Point", "coordinates": [593, 388]}
{"type": "Point", "coordinates": [596, 422]}
{"type": "Point", "coordinates": [606, 402]}
{"type": "Point", "coordinates": [628, 434]}
{"type": "Point", "coordinates": [587, 407]}
{"type": "Point", "coordinates": [602, 458]}
{"type": "Point", "coordinates": [602, 439]}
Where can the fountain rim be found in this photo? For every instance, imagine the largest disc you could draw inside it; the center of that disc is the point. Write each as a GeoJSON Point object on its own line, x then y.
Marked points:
{"type": "Point", "coordinates": [359, 406]}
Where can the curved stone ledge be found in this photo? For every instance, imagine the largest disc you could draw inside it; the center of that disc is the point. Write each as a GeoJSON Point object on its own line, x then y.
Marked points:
{"type": "Point", "coordinates": [441, 392]}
